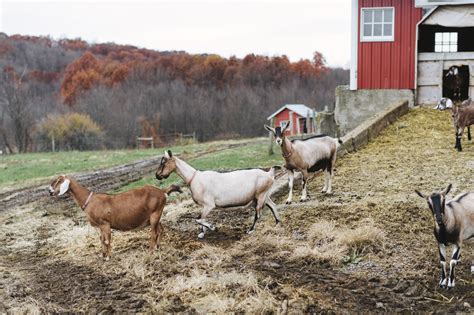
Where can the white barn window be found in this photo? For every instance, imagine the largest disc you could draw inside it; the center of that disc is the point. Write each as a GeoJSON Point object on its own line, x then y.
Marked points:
{"type": "Point", "coordinates": [377, 24]}
{"type": "Point", "coordinates": [446, 42]}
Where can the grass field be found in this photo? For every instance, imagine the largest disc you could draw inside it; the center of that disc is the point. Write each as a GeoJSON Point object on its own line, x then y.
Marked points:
{"type": "Point", "coordinates": [24, 169]}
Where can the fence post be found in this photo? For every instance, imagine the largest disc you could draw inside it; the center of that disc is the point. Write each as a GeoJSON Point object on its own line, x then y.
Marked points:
{"type": "Point", "coordinates": [152, 143]}
{"type": "Point", "coordinates": [53, 146]}
{"type": "Point", "coordinates": [314, 121]}
{"type": "Point", "coordinates": [194, 136]}
{"type": "Point", "coordinates": [270, 136]}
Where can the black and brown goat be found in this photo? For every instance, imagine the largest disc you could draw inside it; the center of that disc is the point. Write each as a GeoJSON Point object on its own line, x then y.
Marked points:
{"type": "Point", "coordinates": [463, 116]}
{"type": "Point", "coordinates": [126, 211]}
{"type": "Point", "coordinates": [454, 223]}
{"type": "Point", "coordinates": [315, 154]}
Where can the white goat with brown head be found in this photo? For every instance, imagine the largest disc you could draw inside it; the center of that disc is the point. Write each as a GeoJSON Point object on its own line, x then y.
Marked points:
{"type": "Point", "coordinates": [453, 224]}
{"type": "Point", "coordinates": [307, 156]}
{"type": "Point", "coordinates": [212, 189]}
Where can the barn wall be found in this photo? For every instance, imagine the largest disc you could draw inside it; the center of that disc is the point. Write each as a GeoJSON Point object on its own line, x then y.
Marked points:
{"type": "Point", "coordinates": [430, 74]}
{"type": "Point", "coordinates": [390, 65]}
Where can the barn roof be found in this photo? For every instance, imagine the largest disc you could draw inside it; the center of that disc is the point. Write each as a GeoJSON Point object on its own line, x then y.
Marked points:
{"type": "Point", "coordinates": [300, 109]}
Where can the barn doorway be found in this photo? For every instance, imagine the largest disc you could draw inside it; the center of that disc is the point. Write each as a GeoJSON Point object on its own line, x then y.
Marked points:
{"type": "Point", "coordinates": [448, 92]}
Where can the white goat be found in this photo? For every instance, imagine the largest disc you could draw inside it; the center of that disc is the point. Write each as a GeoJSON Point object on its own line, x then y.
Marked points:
{"type": "Point", "coordinates": [307, 156]}
{"type": "Point", "coordinates": [454, 223]}
{"type": "Point", "coordinates": [211, 189]}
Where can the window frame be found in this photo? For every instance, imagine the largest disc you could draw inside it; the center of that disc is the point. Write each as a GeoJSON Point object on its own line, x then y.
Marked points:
{"type": "Point", "coordinates": [372, 38]}
{"type": "Point", "coordinates": [448, 44]}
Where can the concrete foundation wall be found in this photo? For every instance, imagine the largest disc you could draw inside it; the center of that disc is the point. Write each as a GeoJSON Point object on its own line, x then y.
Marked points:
{"type": "Point", "coordinates": [355, 107]}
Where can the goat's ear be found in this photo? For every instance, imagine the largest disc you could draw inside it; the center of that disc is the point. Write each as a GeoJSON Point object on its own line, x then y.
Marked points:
{"type": "Point", "coordinates": [269, 128]}
{"type": "Point", "coordinates": [420, 194]}
{"type": "Point", "coordinates": [286, 127]}
{"type": "Point", "coordinates": [170, 154]}
{"type": "Point", "coordinates": [446, 191]}
{"type": "Point", "coordinates": [64, 187]}
{"type": "Point", "coordinates": [167, 155]}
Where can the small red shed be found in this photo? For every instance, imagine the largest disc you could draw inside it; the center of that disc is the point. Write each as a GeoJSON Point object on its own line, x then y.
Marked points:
{"type": "Point", "coordinates": [301, 118]}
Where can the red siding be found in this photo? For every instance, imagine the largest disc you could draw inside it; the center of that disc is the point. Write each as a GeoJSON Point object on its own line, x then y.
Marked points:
{"type": "Point", "coordinates": [390, 65]}
{"type": "Point", "coordinates": [284, 115]}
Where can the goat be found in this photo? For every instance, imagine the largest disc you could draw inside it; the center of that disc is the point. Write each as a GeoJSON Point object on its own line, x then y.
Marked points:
{"type": "Point", "coordinates": [444, 103]}
{"type": "Point", "coordinates": [463, 116]}
{"type": "Point", "coordinates": [126, 211]}
{"type": "Point", "coordinates": [211, 189]}
{"type": "Point", "coordinates": [310, 155]}
{"type": "Point", "coordinates": [454, 223]}
{"type": "Point", "coordinates": [454, 82]}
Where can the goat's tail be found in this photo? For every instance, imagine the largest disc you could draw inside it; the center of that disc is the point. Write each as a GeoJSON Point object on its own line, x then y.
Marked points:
{"type": "Point", "coordinates": [173, 188]}
{"type": "Point", "coordinates": [273, 170]}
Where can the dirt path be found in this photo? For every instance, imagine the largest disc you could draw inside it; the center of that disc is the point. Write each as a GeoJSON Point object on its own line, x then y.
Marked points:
{"type": "Point", "coordinates": [367, 247]}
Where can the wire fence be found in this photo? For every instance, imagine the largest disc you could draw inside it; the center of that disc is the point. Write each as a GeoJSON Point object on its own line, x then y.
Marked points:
{"type": "Point", "coordinates": [83, 143]}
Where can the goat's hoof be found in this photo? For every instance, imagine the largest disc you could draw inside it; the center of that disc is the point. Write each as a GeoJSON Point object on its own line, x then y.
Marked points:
{"type": "Point", "coordinates": [324, 190]}
{"type": "Point", "coordinates": [107, 258]}
{"type": "Point", "coordinates": [288, 202]}
{"type": "Point", "coordinates": [201, 235]}
{"type": "Point", "coordinates": [304, 199]}
{"type": "Point", "coordinates": [213, 228]}
{"type": "Point", "coordinates": [277, 223]}
{"type": "Point", "coordinates": [250, 231]}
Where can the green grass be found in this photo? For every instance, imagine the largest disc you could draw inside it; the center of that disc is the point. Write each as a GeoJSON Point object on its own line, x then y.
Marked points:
{"type": "Point", "coordinates": [22, 169]}
{"type": "Point", "coordinates": [252, 155]}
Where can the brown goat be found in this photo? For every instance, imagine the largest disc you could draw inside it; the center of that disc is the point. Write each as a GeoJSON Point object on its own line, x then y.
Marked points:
{"type": "Point", "coordinates": [463, 116]}
{"type": "Point", "coordinates": [126, 211]}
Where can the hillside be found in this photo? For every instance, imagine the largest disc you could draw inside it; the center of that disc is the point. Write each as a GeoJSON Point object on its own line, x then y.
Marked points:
{"type": "Point", "coordinates": [123, 92]}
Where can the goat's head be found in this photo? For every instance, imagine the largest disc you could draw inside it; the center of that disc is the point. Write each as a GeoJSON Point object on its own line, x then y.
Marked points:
{"type": "Point", "coordinates": [167, 166]}
{"type": "Point", "coordinates": [59, 186]}
{"type": "Point", "coordinates": [436, 202]}
{"type": "Point", "coordinates": [278, 132]}
{"type": "Point", "coordinates": [453, 70]}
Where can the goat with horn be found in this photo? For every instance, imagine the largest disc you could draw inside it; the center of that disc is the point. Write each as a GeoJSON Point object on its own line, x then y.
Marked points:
{"type": "Point", "coordinates": [212, 189]}
{"type": "Point", "coordinates": [453, 224]}
{"type": "Point", "coordinates": [307, 156]}
{"type": "Point", "coordinates": [126, 211]}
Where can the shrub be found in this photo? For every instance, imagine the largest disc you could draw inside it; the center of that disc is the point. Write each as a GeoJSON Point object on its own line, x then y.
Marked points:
{"type": "Point", "coordinates": [72, 131]}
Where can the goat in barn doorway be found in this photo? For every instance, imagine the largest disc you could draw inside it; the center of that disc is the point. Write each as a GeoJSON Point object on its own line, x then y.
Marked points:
{"type": "Point", "coordinates": [453, 224]}
{"type": "Point", "coordinates": [311, 155]}
{"type": "Point", "coordinates": [454, 81]}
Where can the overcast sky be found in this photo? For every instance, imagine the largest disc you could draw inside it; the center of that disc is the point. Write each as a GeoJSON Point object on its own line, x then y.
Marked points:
{"type": "Point", "coordinates": [294, 28]}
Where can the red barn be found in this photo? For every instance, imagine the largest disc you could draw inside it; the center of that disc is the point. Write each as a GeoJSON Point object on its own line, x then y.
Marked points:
{"type": "Point", "coordinates": [300, 116]}
{"type": "Point", "coordinates": [384, 51]}
{"type": "Point", "coordinates": [410, 44]}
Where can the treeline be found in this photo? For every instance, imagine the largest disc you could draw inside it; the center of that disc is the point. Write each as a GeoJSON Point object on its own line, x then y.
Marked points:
{"type": "Point", "coordinates": [120, 92]}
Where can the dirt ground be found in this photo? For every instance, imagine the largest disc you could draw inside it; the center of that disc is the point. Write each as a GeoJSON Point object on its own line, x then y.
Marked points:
{"type": "Point", "coordinates": [367, 247]}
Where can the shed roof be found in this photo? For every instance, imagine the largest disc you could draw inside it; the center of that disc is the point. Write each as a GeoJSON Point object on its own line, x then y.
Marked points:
{"type": "Point", "coordinates": [300, 109]}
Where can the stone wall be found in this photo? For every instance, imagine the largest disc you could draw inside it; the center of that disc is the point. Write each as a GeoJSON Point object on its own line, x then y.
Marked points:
{"type": "Point", "coordinates": [355, 107]}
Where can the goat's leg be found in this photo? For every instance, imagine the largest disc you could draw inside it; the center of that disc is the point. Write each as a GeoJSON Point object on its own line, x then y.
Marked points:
{"type": "Point", "coordinates": [260, 202]}
{"type": "Point", "coordinates": [454, 261]}
{"type": "Point", "coordinates": [442, 258]}
{"type": "Point", "coordinates": [304, 193]}
{"type": "Point", "coordinates": [273, 208]}
{"type": "Point", "coordinates": [469, 133]}
{"type": "Point", "coordinates": [202, 221]}
{"type": "Point", "coordinates": [459, 134]}
{"type": "Point", "coordinates": [154, 221]}
{"type": "Point", "coordinates": [291, 177]}
{"type": "Point", "coordinates": [106, 236]}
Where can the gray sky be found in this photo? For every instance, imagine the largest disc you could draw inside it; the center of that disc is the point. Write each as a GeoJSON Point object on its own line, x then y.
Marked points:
{"type": "Point", "coordinates": [295, 28]}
